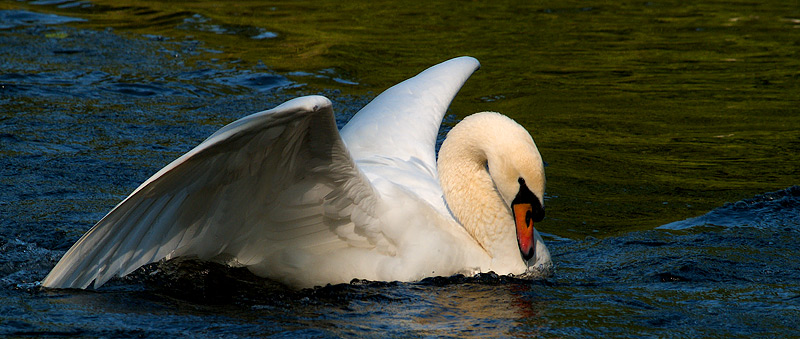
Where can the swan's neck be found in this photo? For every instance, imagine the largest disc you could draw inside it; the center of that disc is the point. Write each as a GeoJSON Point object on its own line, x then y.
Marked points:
{"type": "Point", "coordinates": [471, 194]}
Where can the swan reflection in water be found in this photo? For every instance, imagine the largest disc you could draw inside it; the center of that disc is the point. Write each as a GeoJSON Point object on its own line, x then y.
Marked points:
{"type": "Point", "coordinates": [182, 289]}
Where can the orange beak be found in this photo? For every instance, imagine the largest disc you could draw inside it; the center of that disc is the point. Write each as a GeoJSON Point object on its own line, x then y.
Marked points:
{"type": "Point", "coordinates": [523, 217]}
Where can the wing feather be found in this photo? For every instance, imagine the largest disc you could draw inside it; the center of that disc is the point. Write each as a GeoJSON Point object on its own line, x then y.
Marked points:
{"type": "Point", "coordinates": [279, 184]}
{"type": "Point", "coordinates": [408, 115]}
{"type": "Point", "coordinates": [263, 181]}
{"type": "Point", "coordinates": [394, 136]}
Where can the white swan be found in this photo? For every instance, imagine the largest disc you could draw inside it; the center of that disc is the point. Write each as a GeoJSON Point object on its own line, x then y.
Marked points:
{"type": "Point", "coordinates": [287, 195]}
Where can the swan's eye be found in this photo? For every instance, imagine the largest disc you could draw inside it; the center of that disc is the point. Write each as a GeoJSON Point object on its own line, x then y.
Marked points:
{"type": "Point", "coordinates": [525, 196]}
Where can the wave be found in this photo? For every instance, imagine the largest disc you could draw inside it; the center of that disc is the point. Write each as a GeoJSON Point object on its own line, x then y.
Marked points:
{"type": "Point", "coordinates": [768, 210]}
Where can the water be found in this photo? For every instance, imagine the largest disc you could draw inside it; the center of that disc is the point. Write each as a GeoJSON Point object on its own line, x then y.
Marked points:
{"type": "Point", "coordinates": [670, 131]}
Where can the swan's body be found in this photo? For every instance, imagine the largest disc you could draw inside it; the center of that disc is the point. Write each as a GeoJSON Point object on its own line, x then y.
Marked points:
{"type": "Point", "coordinates": [284, 193]}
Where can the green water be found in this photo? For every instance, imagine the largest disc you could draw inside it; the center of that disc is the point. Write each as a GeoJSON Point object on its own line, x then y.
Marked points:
{"type": "Point", "coordinates": [646, 112]}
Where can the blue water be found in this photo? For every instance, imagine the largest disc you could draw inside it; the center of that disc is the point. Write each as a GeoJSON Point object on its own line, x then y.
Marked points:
{"type": "Point", "coordinates": [75, 140]}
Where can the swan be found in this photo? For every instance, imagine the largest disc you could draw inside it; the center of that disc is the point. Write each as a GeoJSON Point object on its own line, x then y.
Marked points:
{"type": "Point", "coordinates": [287, 195]}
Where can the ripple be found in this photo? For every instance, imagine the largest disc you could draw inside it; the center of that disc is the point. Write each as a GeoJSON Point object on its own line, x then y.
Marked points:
{"type": "Point", "coordinates": [773, 209]}
{"type": "Point", "coordinates": [145, 73]}
{"type": "Point", "coordinates": [16, 18]}
{"type": "Point", "coordinates": [199, 23]}
{"type": "Point", "coordinates": [258, 81]}
{"type": "Point", "coordinates": [139, 90]}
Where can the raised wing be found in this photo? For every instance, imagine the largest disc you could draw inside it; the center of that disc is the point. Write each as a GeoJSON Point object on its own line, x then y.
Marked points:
{"type": "Point", "coordinates": [394, 136]}
{"type": "Point", "coordinates": [281, 178]}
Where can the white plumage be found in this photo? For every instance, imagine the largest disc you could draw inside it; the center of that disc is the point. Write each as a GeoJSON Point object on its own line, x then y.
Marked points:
{"type": "Point", "coordinates": [286, 194]}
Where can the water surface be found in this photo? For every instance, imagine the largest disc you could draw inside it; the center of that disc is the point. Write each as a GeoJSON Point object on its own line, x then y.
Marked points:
{"type": "Point", "coordinates": [670, 131]}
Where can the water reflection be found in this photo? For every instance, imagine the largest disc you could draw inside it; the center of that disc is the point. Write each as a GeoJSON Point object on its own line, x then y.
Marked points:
{"type": "Point", "coordinates": [179, 292]}
{"type": "Point", "coordinates": [450, 307]}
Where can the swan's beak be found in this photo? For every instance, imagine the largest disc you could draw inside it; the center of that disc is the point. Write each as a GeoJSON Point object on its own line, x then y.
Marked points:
{"type": "Point", "coordinates": [523, 216]}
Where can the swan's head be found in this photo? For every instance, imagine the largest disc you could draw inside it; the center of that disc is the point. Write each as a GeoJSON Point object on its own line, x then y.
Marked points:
{"type": "Point", "coordinates": [493, 152]}
{"type": "Point", "coordinates": [517, 170]}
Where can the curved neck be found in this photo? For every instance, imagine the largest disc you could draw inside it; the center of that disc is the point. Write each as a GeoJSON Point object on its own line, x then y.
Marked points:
{"type": "Point", "coordinates": [470, 191]}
